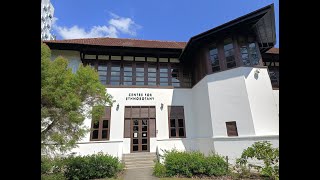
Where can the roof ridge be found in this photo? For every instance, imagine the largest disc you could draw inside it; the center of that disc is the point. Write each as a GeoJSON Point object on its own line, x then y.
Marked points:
{"type": "Point", "coordinates": [120, 39]}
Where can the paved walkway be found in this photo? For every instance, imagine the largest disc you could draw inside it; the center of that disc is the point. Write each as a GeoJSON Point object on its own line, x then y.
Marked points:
{"type": "Point", "coordinates": [139, 174]}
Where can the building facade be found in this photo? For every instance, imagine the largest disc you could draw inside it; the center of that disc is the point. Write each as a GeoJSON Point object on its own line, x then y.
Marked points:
{"type": "Point", "coordinates": [47, 11]}
{"type": "Point", "coordinates": [218, 92]}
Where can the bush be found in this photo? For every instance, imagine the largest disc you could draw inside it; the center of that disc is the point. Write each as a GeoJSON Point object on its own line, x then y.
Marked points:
{"type": "Point", "coordinates": [55, 176]}
{"type": "Point", "coordinates": [159, 170]}
{"type": "Point", "coordinates": [184, 163]}
{"type": "Point", "coordinates": [216, 165]}
{"type": "Point", "coordinates": [52, 168]}
{"type": "Point", "coordinates": [92, 167]}
{"type": "Point", "coordinates": [264, 152]}
{"type": "Point", "coordinates": [190, 164]}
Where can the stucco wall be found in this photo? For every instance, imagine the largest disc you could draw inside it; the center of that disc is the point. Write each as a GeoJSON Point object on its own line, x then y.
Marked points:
{"type": "Point", "coordinates": [276, 97]}
{"type": "Point", "coordinates": [229, 102]}
{"type": "Point", "coordinates": [263, 106]}
{"type": "Point", "coordinates": [202, 123]}
{"type": "Point", "coordinates": [232, 95]}
{"type": "Point", "coordinates": [234, 146]}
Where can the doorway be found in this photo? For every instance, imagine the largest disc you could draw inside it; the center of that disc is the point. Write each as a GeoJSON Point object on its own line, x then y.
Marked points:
{"type": "Point", "coordinates": [140, 135]}
{"type": "Point", "coordinates": [139, 126]}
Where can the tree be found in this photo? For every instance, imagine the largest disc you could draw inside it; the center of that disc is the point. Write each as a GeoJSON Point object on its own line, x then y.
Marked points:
{"type": "Point", "coordinates": [66, 100]}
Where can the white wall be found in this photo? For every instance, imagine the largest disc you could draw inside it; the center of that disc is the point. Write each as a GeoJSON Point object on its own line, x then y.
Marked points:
{"type": "Point", "coordinates": [234, 146]}
{"type": "Point", "coordinates": [263, 106]}
{"type": "Point", "coordinates": [229, 102]}
{"type": "Point", "coordinates": [202, 123]}
{"type": "Point", "coordinates": [276, 97]}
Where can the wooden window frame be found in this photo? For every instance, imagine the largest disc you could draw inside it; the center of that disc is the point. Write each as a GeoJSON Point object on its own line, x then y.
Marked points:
{"type": "Point", "coordinates": [234, 53]}
{"type": "Point", "coordinates": [231, 133]}
{"type": "Point", "coordinates": [176, 119]}
{"type": "Point", "coordinates": [122, 63]}
{"type": "Point", "coordinates": [100, 128]}
{"type": "Point", "coordinates": [211, 47]}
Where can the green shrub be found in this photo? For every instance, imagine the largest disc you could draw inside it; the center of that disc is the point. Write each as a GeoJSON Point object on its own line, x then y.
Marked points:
{"type": "Point", "coordinates": [54, 176]}
{"type": "Point", "coordinates": [192, 163]}
{"type": "Point", "coordinates": [91, 167]}
{"type": "Point", "coordinates": [46, 164]}
{"type": "Point", "coordinates": [216, 165]}
{"type": "Point", "coordinates": [159, 170]}
{"type": "Point", "coordinates": [265, 152]}
{"type": "Point", "coordinates": [184, 163]}
{"type": "Point", "coordinates": [52, 168]}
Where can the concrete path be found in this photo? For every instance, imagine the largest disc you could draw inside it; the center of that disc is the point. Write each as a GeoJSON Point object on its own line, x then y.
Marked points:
{"type": "Point", "coordinates": [139, 174]}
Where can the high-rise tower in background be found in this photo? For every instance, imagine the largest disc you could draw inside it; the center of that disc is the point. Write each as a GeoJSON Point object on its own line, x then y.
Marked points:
{"type": "Point", "coordinates": [47, 11]}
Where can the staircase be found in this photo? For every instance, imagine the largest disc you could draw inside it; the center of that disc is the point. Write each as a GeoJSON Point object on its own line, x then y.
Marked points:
{"type": "Point", "coordinates": [139, 160]}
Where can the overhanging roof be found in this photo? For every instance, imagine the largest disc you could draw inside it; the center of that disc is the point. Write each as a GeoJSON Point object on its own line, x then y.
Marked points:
{"type": "Point", "coordinates": [261, 22]}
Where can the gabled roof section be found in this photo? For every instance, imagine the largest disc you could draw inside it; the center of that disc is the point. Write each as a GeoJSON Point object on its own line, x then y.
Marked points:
{"type": "Point", "coordinates": [120, 42]}
{"type": "Point", "coordinates": [261, 21]}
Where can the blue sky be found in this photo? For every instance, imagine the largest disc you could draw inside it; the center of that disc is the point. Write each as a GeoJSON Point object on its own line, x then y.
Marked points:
{"type": "Point", "coordinates": [172, 20]}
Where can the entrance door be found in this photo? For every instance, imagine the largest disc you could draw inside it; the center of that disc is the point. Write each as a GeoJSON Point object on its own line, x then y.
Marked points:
{"type": "Point", "coordinates": [140, 135]}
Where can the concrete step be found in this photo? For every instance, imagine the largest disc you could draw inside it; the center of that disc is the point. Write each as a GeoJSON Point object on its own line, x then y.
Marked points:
{"type": "Point", "coordinates": [139, 162]}
{"type": "Point", "coordinates": [133, 166]}
{"type": "Point", "coordinates": [139, 154]}
{"type": "Point", "coordinates": [139, 159]}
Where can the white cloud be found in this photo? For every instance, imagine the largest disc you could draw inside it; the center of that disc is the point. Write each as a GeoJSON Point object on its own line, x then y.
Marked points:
{"type": "Point", "coordinates": [116, 25]}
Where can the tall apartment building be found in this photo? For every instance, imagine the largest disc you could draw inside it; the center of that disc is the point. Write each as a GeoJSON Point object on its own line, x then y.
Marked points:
{"type": "Point", "coordinates": [47, 11]}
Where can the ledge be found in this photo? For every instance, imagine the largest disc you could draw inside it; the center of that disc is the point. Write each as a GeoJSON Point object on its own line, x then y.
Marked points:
{"type": "Point", "coordinates": [226, 138]}
{"type": "Point", "coordinates": [93, 142]}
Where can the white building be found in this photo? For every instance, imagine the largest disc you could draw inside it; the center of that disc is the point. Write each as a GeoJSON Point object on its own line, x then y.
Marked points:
{"type": "Point", "coordinates": [212, 93]}
{"type": "Point", "coordinates": [47, 11]}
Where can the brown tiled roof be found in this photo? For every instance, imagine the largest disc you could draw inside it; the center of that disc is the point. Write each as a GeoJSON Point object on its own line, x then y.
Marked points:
{"type": "Point", "coordinates": [123, 42]}
{"type": "Point", "coordinates": [273, 51]}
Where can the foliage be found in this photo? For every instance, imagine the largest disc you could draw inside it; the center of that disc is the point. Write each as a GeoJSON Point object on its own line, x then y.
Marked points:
{"type": "Point", "coordinates": [52, 168]}
{"type": "Point", "coordinates": [55, 176]}
{"type": "Point", "coordinates": [216, 165]}
{"type": "Point", "coordinates": [65, 101]}
{"type": "Point", "coordinates": [93, 166]}
{"type": "Point", "coordinates": [159, 170]}
{"type": "Point", "coordinates": [80, 167]}
{"type": "Point", "coordinates": [190, 164]}
{"type": "Point", "coordinates": [261, 151]}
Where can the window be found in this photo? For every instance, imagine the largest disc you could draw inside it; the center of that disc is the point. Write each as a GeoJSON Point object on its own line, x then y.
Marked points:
{"type": "Point", "coordinates": [232, 128]}
{"type": "Point", "coordinates": [214, 59]}
{"type": "Point", "coordinates": [186, 78]}
{"type": "Point", "coordinates": [152, 74]}
{"type": "Point", "coordinates": [249, 52]}
{"type": "Point", "coordinates": [164, 79]}
{"type": "Point", "coordinates": [140, 74]}
{"type": "Point", "coordinates": [102, 71]}
{"type": "Point", "coordinates": [115, 74]}
{"type": "Point", "coordinates": [175, 78]}
{"type": "Point", "coordinates": [176, 122]}
{"type": "Point", "coordinates": [274, 77]}
{"type": "Point", "coordinates": [127, 74]}
{"type": "Point", "coordinates": [253, 51]}
{"type": "Point", "coordinates": [229, 53]}
{"type": "Point", "coordinates": [100, 130]}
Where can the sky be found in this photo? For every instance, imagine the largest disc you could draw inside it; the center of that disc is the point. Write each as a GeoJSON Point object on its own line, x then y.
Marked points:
{"type": "Point", "coordinates": [168, 20]}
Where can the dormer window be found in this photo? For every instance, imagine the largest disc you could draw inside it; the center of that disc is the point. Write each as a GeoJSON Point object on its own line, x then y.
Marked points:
{"type": "Point", "coordinates": [214, 59]}
{"type": "Point", "coordinates": [229, 53]}
{"type": "Point", "coordinates": [249, 52]}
